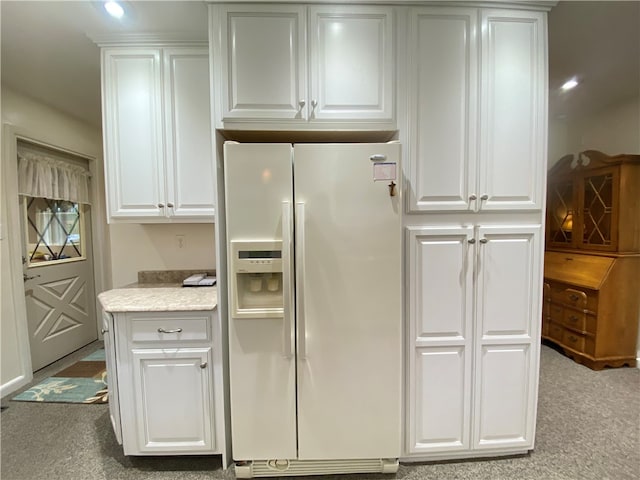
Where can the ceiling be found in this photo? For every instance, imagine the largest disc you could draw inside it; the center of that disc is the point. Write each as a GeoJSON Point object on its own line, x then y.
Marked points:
{"type": "Point", "coordinates": [47, 51]}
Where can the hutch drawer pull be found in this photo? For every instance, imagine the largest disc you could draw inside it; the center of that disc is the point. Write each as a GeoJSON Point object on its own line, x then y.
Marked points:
{"type": "Point", "coordinates": [174, 330]}
{"type": "Point", "coordinates": [574, 298]}
{"type": "Point", "coordinates": [573, 338]}
{"type": "Point", "coordinates": [573, 318]}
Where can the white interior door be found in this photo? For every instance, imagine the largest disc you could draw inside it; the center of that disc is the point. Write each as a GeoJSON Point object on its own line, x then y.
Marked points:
{"type": "Point", "coordinates": [348, 261]}
{"type": "Point", "coordinates": [58, 274]}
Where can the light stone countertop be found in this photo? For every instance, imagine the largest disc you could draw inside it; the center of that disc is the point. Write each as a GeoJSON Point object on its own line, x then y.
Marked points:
{"type": "Point", "coordinates": [159, 298]}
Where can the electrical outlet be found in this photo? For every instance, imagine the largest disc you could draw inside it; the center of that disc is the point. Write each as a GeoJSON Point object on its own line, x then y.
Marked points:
{"type": "Point", "coordinates": [180, 241]}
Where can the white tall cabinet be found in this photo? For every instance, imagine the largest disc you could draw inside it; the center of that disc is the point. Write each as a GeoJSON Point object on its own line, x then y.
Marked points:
{"type": "Point", "coordinates": [290, 66]}
{"type": "Point", "coordinates": [476, 138]}
{"type": "Point", "coordinates": [157, 133]}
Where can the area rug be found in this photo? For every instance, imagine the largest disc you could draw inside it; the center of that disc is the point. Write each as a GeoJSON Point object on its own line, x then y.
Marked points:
{"type": "Point", "coordinates": [83, 382]}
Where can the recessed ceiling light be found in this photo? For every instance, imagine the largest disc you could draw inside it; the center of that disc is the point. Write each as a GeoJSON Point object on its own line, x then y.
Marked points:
{"type": "Point", "coordinates": [114, 9]}
{"type": "Point", "coordinates": [569, 84]}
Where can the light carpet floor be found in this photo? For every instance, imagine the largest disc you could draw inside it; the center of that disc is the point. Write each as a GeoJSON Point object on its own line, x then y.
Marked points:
{"type": "Point", "coordinates": [588, 428]}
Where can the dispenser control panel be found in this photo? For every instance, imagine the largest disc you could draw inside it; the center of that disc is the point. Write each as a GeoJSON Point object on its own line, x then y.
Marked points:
{"type": "Point", "coordinates": [256, 279]}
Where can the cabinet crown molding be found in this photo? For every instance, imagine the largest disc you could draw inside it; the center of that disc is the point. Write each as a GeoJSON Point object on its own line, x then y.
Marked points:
{"type": "Point", "coordinates": [191, 39]}
{"type": "Point", "coordinates": [513, 4]}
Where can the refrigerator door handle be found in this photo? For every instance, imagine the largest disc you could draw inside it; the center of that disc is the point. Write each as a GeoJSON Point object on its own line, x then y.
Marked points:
{"type": "Point", "coordinates": [300, 270]}
{"type": "Point", "coordinates": [287, 287]}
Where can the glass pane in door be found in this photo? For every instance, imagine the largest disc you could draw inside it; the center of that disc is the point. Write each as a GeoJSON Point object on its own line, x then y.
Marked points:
{"type": "Point", "coordinates": [598, 200]}
{"type": "Point", "coordinates": [560, 211]}
{"type": "Point", "coordinates": [54, 230]}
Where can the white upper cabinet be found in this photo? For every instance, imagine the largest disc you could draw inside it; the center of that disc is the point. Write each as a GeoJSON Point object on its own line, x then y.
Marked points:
{"type": "Point", "coordinates": [264, 61]}
{"type": "Point", "coordinates": [477, 109]}
{"type": "Point", "coordinates": [351, 63]}
{"type": "Point", "coordinates": [513, 110]}
{"type": "Point", "coordinates": [189, 160]}
{"type": "Point", "coordinates": [157, 134]}
{"type": "Point", "coordinates": [293, 66]}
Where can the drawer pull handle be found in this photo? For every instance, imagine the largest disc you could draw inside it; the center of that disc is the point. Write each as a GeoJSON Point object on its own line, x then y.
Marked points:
{"type": "Point", "coordinates": [573, 339]}
{"type": "Point", "coordinates": [573, 318]}
{"type": "Point", "coordinates": [574, 298]}
{"type": "Point", "coordinates": [175, 330]}
{"type": "Point", "coordinates": [203, 365]}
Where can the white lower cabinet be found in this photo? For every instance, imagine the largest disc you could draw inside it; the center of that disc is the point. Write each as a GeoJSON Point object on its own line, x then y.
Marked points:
{"type": "Point", "coordinates": [164, 395]}
{"type": "Point", "coordinates": [173, 394]}
{"type": "Point", "coordinates": [472, 357]}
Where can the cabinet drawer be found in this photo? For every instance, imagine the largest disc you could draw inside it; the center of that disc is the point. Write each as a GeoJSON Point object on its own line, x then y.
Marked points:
{"type": "Point", "coordinates": [556, 312]}
{"type": "Point", "coordinates": [170, 329]}
{"type": "Point", "coordinates": [579, 320]}
{"type": "Point", "coordinates": [556, 331]}
{"type": "Point", "coordinates": [573, 340]}
{"type": "Point", "coordinates": [574, 297]}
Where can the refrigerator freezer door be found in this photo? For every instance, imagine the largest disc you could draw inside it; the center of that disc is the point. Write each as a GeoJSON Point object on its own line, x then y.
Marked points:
{"type": "Point", "coordinates": [348, 229]}
{"type": "Point", "coordinates": [258, 184]}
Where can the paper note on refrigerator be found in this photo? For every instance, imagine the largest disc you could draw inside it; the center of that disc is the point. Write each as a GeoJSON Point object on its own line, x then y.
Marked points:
{"type": "Point", "coordinates": [384, 171]}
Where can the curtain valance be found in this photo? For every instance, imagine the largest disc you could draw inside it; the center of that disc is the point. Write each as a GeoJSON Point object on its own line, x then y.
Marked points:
{"type": "Point", "coordinates": [42, 176]}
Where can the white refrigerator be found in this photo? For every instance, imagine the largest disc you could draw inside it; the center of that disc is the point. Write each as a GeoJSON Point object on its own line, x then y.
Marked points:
{"type": "Point", "coordinates": [315, 312]}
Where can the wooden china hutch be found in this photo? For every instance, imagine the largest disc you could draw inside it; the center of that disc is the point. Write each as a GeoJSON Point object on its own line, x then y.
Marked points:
{"type": "Point", "coordinates": [592, 258]}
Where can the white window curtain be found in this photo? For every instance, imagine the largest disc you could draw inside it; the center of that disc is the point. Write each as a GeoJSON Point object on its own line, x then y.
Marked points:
{"type": "Point", "coordinates": [42, 176]}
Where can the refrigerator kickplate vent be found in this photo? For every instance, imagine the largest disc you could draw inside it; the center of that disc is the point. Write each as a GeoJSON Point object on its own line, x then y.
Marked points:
{"type": "Point", "coordinates": [290, 468]}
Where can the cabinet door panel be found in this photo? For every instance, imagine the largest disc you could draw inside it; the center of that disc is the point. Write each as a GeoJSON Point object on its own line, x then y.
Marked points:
{"type": "Point", "coordinates": [351, 62]}
{"type": "Point", "coordinates": [440, 403]}
{"type": "Point", "coordinates": [508, 281]}
{"type": "Point", "coordinates": [173, 399]}
{"type": "Point", "coordinates": [513, 110]}
{"type": "Point", "coordinates": [442, 58]}
{"type": "Point", "coordinates": [190, 164]}
{"type": "Point", "coordinates": [263, 52]}
{"type": "Point", "coordinates": [440, 268]}
{"type": "Point", "coordinates": [505, 402]}
{"type": "Point", "coordinates": [132, 105]}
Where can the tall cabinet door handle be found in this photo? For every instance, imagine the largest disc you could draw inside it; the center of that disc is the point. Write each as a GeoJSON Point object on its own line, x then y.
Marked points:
{"type": "Point", "coordinates": [300, 278]}
{"type": "Point", "coordinates": [471, 241]}
{"type": "Point", "coordinates": [287, 284]}
{"type": "Point", "coordinates": [483, 240]}
{"type": "Point", "coordinates": [473, 196]}
{"type": "Point", "coordinates": [484, 197]}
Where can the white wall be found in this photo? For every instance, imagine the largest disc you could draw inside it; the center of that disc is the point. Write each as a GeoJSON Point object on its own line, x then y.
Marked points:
{"type": "Point", "coordinates": [31, 119]}
{"type": "Point", "coordinates": [155, 247]}
{"type": "Point", "coordinates": [612, 131]}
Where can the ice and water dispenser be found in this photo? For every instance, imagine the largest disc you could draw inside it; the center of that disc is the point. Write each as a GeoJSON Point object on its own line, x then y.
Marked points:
{"type": "Point", "coordinates": [256, 284]}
